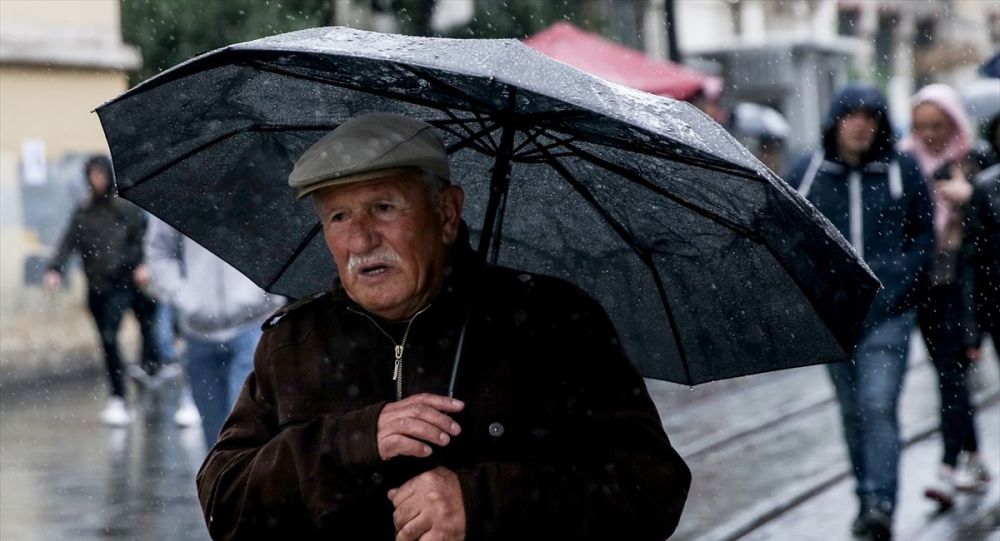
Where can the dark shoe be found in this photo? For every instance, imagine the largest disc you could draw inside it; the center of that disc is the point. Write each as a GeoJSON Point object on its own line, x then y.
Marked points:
{"type": "Point", "coordinates": [942, 490]}
{"type": "Point", "coordinates": [858, 527]}
{"type": "Point", "coordinates": [875, 524]}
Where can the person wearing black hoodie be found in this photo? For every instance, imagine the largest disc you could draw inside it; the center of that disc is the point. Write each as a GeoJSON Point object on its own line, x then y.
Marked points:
{"type": "Point", "coordinates": [980, 255]}
{"type": "Point", "coordinates": [877, 199]}
{"type": "Point", "coordinates": [108, 234]}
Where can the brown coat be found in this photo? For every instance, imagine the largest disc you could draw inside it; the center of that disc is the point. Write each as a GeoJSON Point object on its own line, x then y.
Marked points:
{"type": "Point", "coordinates": [560, 439]}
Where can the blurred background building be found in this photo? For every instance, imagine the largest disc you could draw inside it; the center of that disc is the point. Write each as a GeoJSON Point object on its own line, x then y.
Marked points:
{"type": "Point", "coordinates": [58, 60]}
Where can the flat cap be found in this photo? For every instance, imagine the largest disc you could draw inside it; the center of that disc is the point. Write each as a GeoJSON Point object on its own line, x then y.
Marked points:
{"type": "Point", "coordinates": [369, 146]}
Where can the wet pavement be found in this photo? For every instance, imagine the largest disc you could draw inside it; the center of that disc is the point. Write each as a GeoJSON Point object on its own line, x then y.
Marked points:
{"type": "Point", "coordinates": [63, 476]}
{"type": "Point", "coordinates": [766, 453]}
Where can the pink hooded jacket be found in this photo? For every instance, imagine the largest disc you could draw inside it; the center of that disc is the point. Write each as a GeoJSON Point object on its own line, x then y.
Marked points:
{"type": "Point", "coordinates": [947, 216]}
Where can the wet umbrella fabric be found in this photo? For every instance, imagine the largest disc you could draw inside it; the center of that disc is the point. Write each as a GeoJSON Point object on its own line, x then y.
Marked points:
{"type": "Point", "coordinates": [708, 264]}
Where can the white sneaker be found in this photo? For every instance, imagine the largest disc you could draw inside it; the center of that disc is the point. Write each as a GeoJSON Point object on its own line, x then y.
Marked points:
{"type": "Point", "coordinates": [114, 413]}
{"type": "Point", "coordinates": [187, 415]}
{"type": "Point", "coordinates": [971, 474]}
{"type": "Point", "coordinates": [942, 490]}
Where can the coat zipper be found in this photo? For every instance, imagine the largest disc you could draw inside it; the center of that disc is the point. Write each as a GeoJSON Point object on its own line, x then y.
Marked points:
{"type": "Point", "coordinates": [398, 349]}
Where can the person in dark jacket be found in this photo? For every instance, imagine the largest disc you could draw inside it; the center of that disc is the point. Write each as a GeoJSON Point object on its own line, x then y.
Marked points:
{"type": "Point", "coordinates": [343, 430]}
{"type": "Point", "coordinates": [877, 199]}
{"type": "Point", "coordinates": [980, 258]}
{"type": "Point", "coordinates": [108, 232]}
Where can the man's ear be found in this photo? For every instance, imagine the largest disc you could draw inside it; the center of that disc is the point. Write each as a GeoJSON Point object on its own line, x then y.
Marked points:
{"type": "Point", "coordinates": [452, 201]}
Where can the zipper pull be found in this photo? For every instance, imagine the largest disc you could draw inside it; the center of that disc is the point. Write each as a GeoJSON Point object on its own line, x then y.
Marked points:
{"type": "Point", "coordinates": [398, 363]}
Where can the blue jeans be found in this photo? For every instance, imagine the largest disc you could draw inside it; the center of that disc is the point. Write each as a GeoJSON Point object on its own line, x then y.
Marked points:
{"type": "Point", "coordinates": [164, 331]}
{"type": "Point", "coordinates": [868, 388]}
{"type": "Point", "coordinates": [216, 371]}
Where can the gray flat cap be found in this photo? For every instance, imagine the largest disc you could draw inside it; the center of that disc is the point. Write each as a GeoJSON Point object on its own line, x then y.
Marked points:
{"type": "Point", "coordinates": [367, 147]}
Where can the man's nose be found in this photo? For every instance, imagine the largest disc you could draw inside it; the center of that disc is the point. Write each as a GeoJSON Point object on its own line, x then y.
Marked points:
{"type": "Point", "coordinates": [362, 235]}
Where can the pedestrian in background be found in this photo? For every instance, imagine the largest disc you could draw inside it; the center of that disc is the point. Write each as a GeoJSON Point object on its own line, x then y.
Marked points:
{"type": "Point", "coordinates": [107, 232]}
{"type": "Point", "coordinates": [980, 254]}
{"type": "Point", "coordinates": [878, 200]}
{"type": "Point", "coordinates": [941, 139]}
{"type": "Point", "coordinates": [219, 313]}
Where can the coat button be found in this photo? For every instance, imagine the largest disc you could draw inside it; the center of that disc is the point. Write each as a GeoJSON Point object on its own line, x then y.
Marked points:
{"type": "Point", "coordinates": [496, 430]}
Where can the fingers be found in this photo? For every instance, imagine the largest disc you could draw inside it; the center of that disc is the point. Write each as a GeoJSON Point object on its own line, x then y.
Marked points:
{"type": "Point", "coordinates": [415, 528]}
{"type": "Point", "coordinates": [403, 513]}
{"type": "Point", "coordinates": [396, 445]}
{"type": "Point", "coordinates": [435, 401]}
{"type": "Point", "coordinates": [407, 426]}
{"type": "Point", "coordinates": [429, 507]}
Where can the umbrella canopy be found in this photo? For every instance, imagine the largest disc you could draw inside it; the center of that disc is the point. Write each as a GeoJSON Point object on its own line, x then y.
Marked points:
{"type": "Point", "coordinates": [709, 265]}
{"type": "Point", "coordinates": [620, 64]}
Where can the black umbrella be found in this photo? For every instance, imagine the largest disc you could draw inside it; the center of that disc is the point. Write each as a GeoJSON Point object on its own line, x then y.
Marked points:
{"type": "Point", "coordinates": [709, 265]}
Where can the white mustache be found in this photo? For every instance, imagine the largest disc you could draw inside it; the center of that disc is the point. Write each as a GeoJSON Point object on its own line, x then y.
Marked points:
{"type": "Point", "coordinates": [384, 255]}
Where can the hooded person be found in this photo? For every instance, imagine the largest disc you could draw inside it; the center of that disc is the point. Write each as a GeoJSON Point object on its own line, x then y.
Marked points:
{"type": "Point", "coordinates": [107, 232]}
{"type": "Point", "coordinates": [877, 199]}
{"type": "Point", "coordinates": [941, 139]}
{"type": "Point", "coordinates": [979, 263]}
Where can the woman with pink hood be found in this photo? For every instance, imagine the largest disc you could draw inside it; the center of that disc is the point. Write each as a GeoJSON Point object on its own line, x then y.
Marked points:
{"type": "Point", "coordinates": [940, 139]}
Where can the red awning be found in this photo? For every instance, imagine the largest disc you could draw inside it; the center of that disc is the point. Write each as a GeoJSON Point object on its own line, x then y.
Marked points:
{"type": "Point", "coordinates": [600, 56]}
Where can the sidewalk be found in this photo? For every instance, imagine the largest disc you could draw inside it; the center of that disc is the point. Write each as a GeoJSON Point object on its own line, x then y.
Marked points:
{"type": "Point", "coordinates": [828, 516]}
{"type": "Point", "coordinates": [771, 445]}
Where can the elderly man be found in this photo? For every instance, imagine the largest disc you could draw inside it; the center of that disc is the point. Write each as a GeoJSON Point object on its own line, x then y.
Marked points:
{"type": "Point", "coordinates": [343, 430]}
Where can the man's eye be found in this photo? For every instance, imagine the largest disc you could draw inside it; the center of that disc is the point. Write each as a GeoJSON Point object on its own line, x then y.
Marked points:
{"type": "Point", "coordinates": [338, 217]}
{"type": "Point", "coordinates": [384, 207]}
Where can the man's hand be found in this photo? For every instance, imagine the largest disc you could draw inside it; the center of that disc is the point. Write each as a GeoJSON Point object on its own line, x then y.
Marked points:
{"type": "Point", "coordinates": [429, 507]}
{"type": "Point", "coordinates": [140, 275]}
{"type": "Point", "coordinates": [406, 427]}
{"type": "Point", "coordinates": [52, 281]}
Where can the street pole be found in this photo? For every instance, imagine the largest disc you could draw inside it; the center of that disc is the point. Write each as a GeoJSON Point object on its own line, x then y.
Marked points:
{"type": "Point", "coordinates": [673, 53]}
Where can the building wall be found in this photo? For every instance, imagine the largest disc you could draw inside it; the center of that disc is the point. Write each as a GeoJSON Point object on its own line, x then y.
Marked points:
{"type": "Point", "coordinates": [55, 105]}
{"type": "Point", "coordinates": [59, 59]}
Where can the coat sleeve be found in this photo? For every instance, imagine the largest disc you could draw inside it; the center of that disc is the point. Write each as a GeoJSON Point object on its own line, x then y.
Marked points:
{"type": "Point", "coordinates": [68, 244]}
{"type": "Point", "coordinates": [917, 248]}
{"type": "Point", "coordinates": [619, 477]}
{"type": "Point", "coordinates": [162, 246]}
{"type": "Point", "coordinates": [969, 261]}
{"type": "Point", "coordinates": [136, 230]}
{"type": "Point", "coordinates": [793, 175]}
{"type": "Point", "coordinates": [265, 481]}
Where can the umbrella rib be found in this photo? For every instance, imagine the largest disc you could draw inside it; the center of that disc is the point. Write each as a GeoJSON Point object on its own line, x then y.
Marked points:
{"type": "Point", "coordinates": [642, 181]}
{"type": "Point", "coordinates": [475, 103]}
{"type": "Point", "coordinates": [462, 122]}
{"type": "Point", "coordinates": [473, 137]}
{"type": "Point", "coordinates": [298, 250]}
{"type": "Point", "coordinates": [643, 255]}
{"type": "Point", "coordinates": [532, 154]}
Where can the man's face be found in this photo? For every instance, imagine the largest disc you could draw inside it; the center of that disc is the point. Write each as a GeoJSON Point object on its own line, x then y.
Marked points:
{"type": "Point", "coordinates": [856, 132]}
{"type": "Point", "coordinates": [932, 126]}
{"type": "Point", "coordinates": [388, 240]}
{"type": "Point", "coordinates": [98, 179]}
